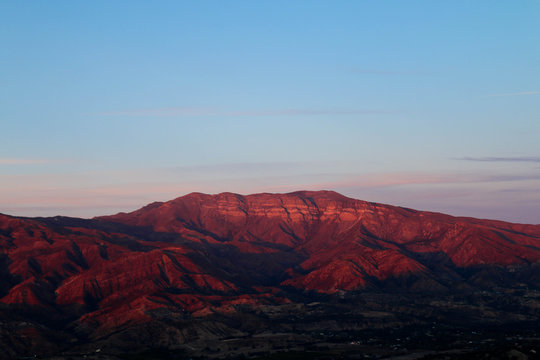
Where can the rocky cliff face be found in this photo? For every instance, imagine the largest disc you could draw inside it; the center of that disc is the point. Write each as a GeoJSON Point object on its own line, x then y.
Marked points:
{"type": "Point", "coordinates": [344, 243]}
{"type": "Point", "coordinates": [202, 254]}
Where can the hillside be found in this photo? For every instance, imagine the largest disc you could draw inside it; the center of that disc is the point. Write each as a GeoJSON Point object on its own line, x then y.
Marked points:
{"type": "Point", "coordinates": [190, 272]}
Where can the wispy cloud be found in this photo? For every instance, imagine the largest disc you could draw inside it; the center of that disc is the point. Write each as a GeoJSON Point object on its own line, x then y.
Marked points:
{"type": "Point", "coordinates": [390, 180]}
{"type": "Point", "coordinates": [165, 111]}
{"type": "Point", "coordinates": [387, 72]}
{"type": "Point", "coordinates": [533, 159]}
{"type": "Point", "coordinates": [305, 112]}
{"type": "Point", "coordinates": [375, 72]}
{"type": "Point", "coordinates": [252, 167]}
{"type": "Point", "coordinates": [14, 161]}
{"type": "Point", "coordinates": [203, 111]}
{"type": "Point", "coordinates": [520, 93]}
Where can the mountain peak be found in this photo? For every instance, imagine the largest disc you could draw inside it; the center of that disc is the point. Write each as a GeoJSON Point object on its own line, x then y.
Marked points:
{"type": "Point", "coordinates": [200, 253]}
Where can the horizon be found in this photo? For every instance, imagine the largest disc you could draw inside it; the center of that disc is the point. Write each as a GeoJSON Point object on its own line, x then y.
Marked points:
{"type": "Point", "coordinates": [430, 106]}
{"type": "Point", "coordinates": [257, 194]}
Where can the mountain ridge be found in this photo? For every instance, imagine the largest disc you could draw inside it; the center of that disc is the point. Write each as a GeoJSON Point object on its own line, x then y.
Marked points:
{"type": "Point", "coordinates": [201, 254]}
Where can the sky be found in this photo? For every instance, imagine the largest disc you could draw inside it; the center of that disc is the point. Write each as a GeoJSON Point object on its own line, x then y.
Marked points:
{"type": "Point", "coordinates": [106, 106]}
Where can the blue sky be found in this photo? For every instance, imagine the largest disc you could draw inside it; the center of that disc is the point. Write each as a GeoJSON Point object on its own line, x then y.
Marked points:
{"type": "Point", "coordinates": [106, 106]}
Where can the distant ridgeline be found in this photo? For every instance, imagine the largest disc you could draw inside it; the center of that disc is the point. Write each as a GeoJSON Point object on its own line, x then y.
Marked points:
{"type": "Point", "coordinates": [180, 277]}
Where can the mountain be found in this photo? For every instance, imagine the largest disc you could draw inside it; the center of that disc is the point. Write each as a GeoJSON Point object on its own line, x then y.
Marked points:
{"type": "Point", "coordinates": [186, 274]}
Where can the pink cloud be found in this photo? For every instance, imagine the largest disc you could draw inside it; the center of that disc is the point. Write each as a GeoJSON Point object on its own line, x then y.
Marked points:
{"type": "Point", "coordinates": [15, 161]}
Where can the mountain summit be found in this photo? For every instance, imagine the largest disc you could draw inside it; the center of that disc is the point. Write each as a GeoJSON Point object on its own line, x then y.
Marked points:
{"type": "Point", "coordinates": [94, 281]}
{"type": "Point", "coordinates": [345, 244]}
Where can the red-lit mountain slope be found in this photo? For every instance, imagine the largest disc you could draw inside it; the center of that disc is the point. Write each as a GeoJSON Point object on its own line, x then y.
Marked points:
{"type": "Point", "coordinates": [201, 254]}
{"type": "Point", "coordinates": [345, 243]}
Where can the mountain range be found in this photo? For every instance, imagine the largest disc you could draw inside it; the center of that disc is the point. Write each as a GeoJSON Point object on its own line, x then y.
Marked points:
{"type": "Point", "coordinates": [192, 274]}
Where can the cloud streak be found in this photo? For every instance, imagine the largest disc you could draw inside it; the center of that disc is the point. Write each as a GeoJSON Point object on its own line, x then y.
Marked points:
{"type": "Point", "coordinates": [389, 180]}
{"type": "Point", "coordinates": [203, 111]}
{"type": "Point", "coordinates": [14, 161]}
{"type": "Point", "coordinates": [386, 72]}
{"type": "Point", "coordinates": [533, 159]}
{"type": "Point", "coordinates": [252, 167]}
{"type": "Point", "coordinates": [520, 93]}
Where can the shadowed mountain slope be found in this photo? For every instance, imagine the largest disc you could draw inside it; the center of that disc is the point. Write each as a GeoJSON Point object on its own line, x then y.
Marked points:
{"type": "Point", "coordinates": [205, 254]}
